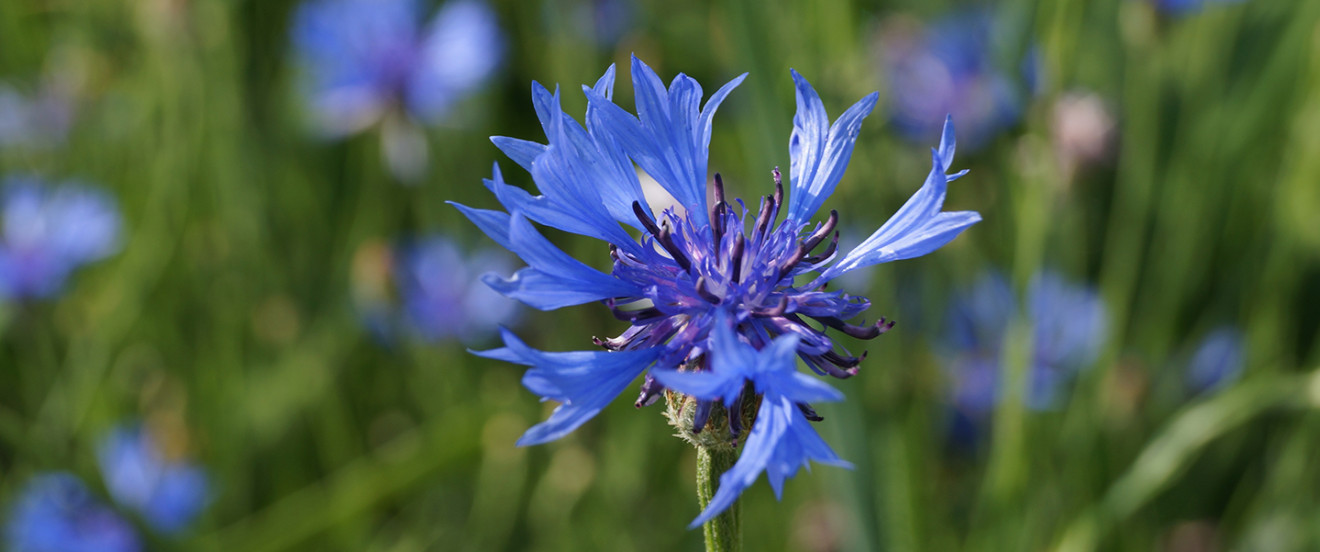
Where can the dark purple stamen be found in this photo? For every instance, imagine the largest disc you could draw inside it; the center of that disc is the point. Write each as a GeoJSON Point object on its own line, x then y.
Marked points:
{"type": "Point", "coordinates": [719, 189]}
{"type": "Point", "coordinates": [644, 218]}
{"type": "Point", "coordinates": [829, 250]}
{"type": "Point", "coordinates": [860, 332]}
{"type": "Point", "coordinates": [843, 361]}
{"type": "Point", "coordinates": [705, 293]}
{"type": "Point", "coordinates": [821, 233]}
{"type": "Point", "coordinates": [735, 257]}
{"type": "Point", "coordinates": [666, 239]}
{"type": "Point", "coordinates": [639, 316]}
{"type": "Point", "coordinates": [765, 217]}
{"type": "Point", "coordinates": [651, 390]}
{"type": "Point", "coordinates": [809, 412]}
{"type": "Point", "coordinates": [820, 366]}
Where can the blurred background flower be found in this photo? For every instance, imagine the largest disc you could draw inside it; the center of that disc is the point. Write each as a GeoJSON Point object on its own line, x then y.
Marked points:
{"type": "Point", "coordinates": [166, 491]}
{"type": "Point", "coordinates": [1217, 361]}
{"type": "Point", "coordinates": [430, 289]}
{"type": "Point", "coordinates": [50, 231]}
{"type": "Point", "coordinates": [605, 21]}
{"type": "Point", "coordinates": [371, 61]}
{"type": "Point", "coordinates": [39, 119]}
{"type": "Point", "coordinates": [56, 513]}
{"type": "Point", "coordinates": [963, 64]}
{"type": "Point", "coordinates": [1187, 7]}
{"type": "Point", "coordinates": [1083, 131]}
{"type": "Point", "coordinates": [1068, 327]}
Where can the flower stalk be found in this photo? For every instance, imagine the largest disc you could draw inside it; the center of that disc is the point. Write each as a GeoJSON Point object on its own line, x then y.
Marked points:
{"type": "Point", "coordinates": [723, 532]}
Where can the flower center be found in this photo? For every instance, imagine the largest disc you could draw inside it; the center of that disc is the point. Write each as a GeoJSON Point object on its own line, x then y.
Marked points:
{"type": "Point", "coordinates": [689, 270]}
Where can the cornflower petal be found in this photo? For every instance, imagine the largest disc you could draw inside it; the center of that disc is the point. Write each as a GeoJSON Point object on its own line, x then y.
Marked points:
{"type": "Point", "coordinates": [583, 381]}
{"type": "Point", "coordinates": [569, 174]}
{"type": "Point", "coordinates": [522, 152]}
{"type": "Point", "coordinates": [735, 364]}
{"type": "Point", "coordinates": [782, 441]}
{"type": "Point", "coordinates": [669, 138]}
{"type": "Point", "coordinates": [582, 160]}
{"type": "Point", "coordinates": [539, 208]}
{"type": "Point", "coordinates": [820, 152]}
{"type": "Point", "coordinates": [553, 279]}
{"type": "Point", "coordinates": [918, 227]}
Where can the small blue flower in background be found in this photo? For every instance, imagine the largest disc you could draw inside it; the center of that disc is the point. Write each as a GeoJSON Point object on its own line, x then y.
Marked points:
{"type": "Point", "coordinates": [430, 288]}
{"type": "Point", "coordinates": [49, 231]}
{"type": "Point", "coordinates": [372, 61]}
{"type": "Point", "coordinates": [1187, 7]}
{"type": "Point", "coordinates": [442, 294]}
{"type": "Point", "coordinates": [40, 120]}
{"type": "Point", "coordinates": [605, 21]}
{"type": "Point", "coordinates": [365, 58]}
{"type": "Point", "coordinates": [1217, 361]}
{"type": "Point", "coordinates": [949, 67]}
{"type": "Point", "coordinates": [700, 279]}
{"type": "Point", "coordinates": [1069, 324]}
{"type": "Point", "coordinates": [56, 513]}
{"type": "Point", "coordinates": [168, 493]}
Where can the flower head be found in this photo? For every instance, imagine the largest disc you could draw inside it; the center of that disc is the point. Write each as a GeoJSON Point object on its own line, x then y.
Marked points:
{"type": "Point", "coordinates": [713, 291]}
{"type": "Point", "coordinates": [168, 493]}
{"type": "Point", "coordinates": [1217, 361]}
{"type": "Point", "coordinates": [363, 58]}
{"type": "Point", "coordinates": [950, 68]}
{"type": "Point", "coordinates": [50, 231]}
{"type": "Point", "coordinates": [1068, 327]}
{"type": "Point", "coordinates": [56, 513]}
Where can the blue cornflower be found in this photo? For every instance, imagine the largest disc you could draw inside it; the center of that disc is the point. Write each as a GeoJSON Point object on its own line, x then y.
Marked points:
{"type": "Point", "coordinates": [1068, 328]}
{"type": "Point", "coordinates": [167, 492]}
{"type": "Point", "coordinates": [1217, 361]}
{"type": "Point", "coordinates": [429, 287]}
{"type": "Point", "coordinates": [950, 68]}
{"type": "Point", "coordinates": [363, 59]}
{"type": "Point", "coordinates": [56, 513]}
{"type": "Point", "coordinates": [702, 273]}
{"type": "Point", "coordinates": [50, 231]}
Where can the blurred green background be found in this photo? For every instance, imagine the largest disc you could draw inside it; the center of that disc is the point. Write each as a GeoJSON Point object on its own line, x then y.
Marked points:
{"type": "Point", "coordinates": [228, 316]}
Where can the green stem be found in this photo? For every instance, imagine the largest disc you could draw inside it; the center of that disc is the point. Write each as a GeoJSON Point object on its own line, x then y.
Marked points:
{"type": "Point", "coordinates": [723, 532]}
